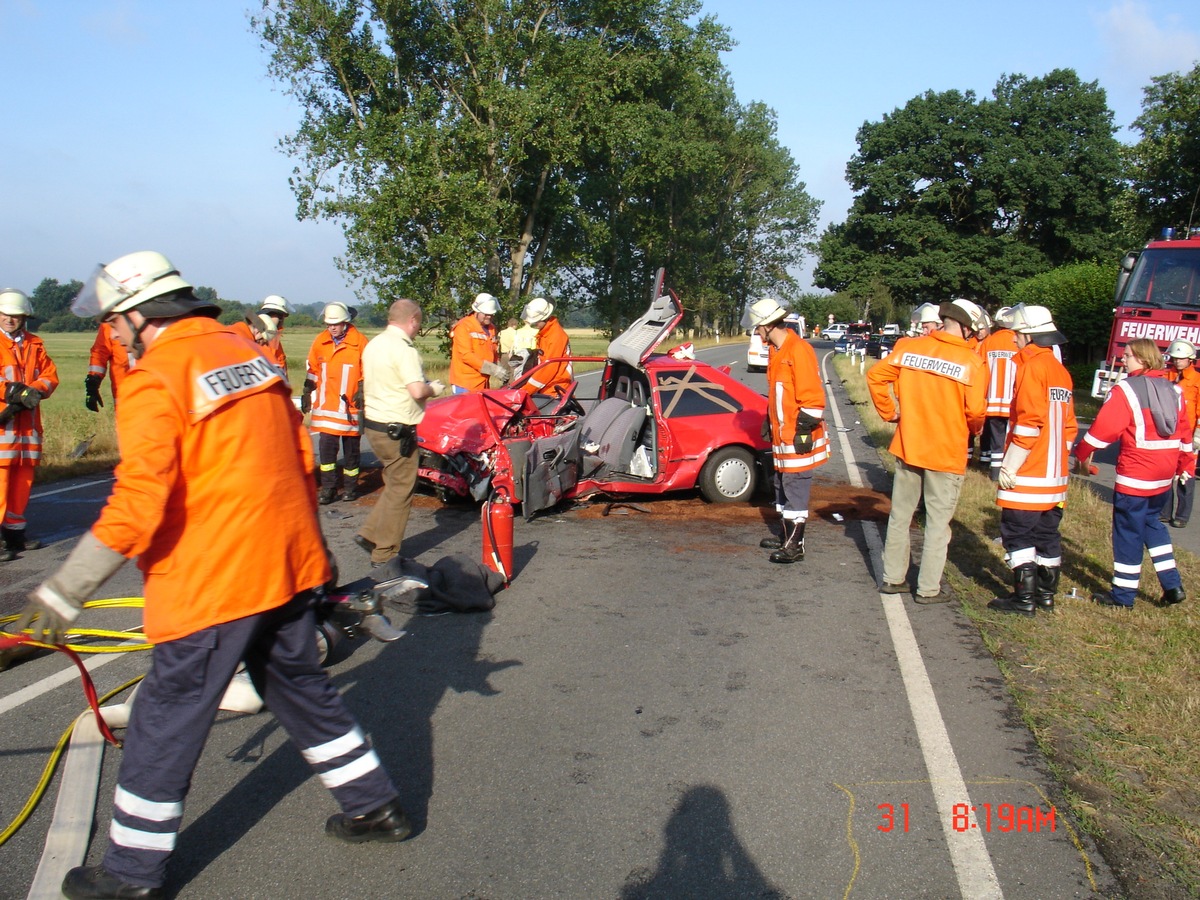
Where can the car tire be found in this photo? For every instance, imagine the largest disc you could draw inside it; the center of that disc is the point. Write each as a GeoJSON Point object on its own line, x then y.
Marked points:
{"type": "Point", "coordinates": [728, 476]}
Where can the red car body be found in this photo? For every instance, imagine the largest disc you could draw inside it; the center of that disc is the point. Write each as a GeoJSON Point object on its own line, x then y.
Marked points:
{"type": "Point", "coordinates": [645, 424]}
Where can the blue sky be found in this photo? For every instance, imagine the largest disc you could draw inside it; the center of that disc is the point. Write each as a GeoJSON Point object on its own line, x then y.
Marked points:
{"type": "Point", "coordinates": [152, 124]}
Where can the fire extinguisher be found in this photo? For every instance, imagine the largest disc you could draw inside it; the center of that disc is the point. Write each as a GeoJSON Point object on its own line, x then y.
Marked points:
{"type": "Point", "coordinates": [498, 536]}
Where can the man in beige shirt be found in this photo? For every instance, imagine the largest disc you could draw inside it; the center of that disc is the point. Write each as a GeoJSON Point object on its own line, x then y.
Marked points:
{"type": "Point", "coordinates": [395, 392]}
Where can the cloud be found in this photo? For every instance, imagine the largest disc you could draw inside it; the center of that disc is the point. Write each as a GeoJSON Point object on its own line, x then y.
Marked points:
{"type": "Point", "coordinates": [1140, 47]}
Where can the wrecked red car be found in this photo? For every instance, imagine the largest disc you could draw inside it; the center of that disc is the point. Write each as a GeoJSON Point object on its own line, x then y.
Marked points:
{"type": "Point", "coordinates": [645, 423]}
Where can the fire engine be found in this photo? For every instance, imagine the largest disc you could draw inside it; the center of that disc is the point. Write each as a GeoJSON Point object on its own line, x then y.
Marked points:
{"type": "Point", "coordinates": [1157, 297]}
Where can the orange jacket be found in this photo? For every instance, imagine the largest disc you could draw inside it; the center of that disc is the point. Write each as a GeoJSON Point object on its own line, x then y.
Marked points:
{"type": "Point", "coordinates": [25, 362]}
{"type": "Point", "coordinates": [1189, 382]}
{"type": "Point", "coordinates": [940, 385]}
{"type": "Point", "coordinates": [109, 355]}
{"type": "Point", "coordinates": [471, 345]}
{"type": "Point", "coordinates": [998, 352]}
{"type": "Point", "coordinates": [214, 492]}
{"type": "Point", "coordinates": [552, 342]}
{"type": "Point", "coordinates": [273, 350]}
{"type": "Point", "coordinates": [1043, 422]}
{"type": "Point", "coordinates": [794, 385]}
{"type": "Point", "coordinates": [337, 370]}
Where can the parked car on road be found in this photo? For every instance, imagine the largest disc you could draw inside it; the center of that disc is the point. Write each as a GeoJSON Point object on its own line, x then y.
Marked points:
{"type": "Point", "coordinates": [834, 332]}
{"type": "Point", "coordinates": [880, 345]}
{"type": "Point", "coordinates": [651, 423]}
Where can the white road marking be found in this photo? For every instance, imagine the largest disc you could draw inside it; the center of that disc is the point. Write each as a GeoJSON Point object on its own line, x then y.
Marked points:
{"type": "Point", "coordinates": [969, 854]}
{"type": "Point", "coordinates": [74, 487]}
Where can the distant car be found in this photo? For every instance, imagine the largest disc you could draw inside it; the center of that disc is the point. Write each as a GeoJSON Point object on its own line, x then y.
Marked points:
{"type": "Point", "coordinates": [834, 332]}
{"type": "Point", "coordinates": [880, 345]}
{"type": "Point", "coordinates": [651, 423]}
{"type": "Point", "coordinates": [891, 330]}
{"type": "Point", "coordinates": [756, 353]}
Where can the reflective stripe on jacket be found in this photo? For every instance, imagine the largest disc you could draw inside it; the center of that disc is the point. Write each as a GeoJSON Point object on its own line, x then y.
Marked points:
{"type": "Point", "coordinates": [337, 370]}
{"type": "Point", "coordinates": [794, 385]}
{"type": "Point", "coordinates": [1147, 461]}
{"type": "Point", "coordinates": [214, 492]}
{"type": "Point", "coordinates": [1043, 422]}
{"type": "Point", "coordinates": [998, 352]}
{"type": "Point", "coordinates": [25, 362]}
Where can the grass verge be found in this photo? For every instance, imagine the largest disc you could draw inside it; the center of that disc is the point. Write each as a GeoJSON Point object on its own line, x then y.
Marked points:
{"type": "Point", "coordinates": [1110, 696]}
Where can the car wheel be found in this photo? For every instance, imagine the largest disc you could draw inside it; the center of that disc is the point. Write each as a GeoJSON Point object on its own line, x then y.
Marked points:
{"type": "Point", "coordinates": [728, 476]}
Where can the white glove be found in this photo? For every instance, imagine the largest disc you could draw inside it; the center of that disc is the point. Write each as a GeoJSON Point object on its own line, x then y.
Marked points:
{"type": "Point", "coordinates": [1014, 458]}
{"type": "Point", "coordinates": [1184, 478]}
{"type": "Point", "coordinates": [1196, 439]}
{"type": "Point", "coordinates": [437, 387]}
{"type": "Point", "coordinates": [57, 602]}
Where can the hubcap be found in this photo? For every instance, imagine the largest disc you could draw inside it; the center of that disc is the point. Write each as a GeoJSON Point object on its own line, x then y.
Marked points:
{"type": "Point", "coordinates": [733, 477]}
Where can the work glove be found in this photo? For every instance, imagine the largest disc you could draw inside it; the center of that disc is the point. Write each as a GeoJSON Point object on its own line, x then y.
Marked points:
{"type": "Point", "coordinates": [806, 424]}
{"type": "Point", "coordinates": [493, 370]}
{"type": "Point", "coordinates": [30, 398]}
{"type": "Point", "coordinates": [92, 399]}
{"type": "Point", "coordinates": [1014, 458]}
{"type": "Point", "coordinates": [56, 603]}
{"type": "Point", "coordinates": [1083, 465]}
{"type": "Point", "coordinates": [1184, 478]}
{"type": "Point", "coordinates": [1196, 439]}
{"type": "Point", "coordinates": [437, 387]}
{"type": "Point", "coordinates": [12, 391]}
{"type": "Point", "coordinates": [765, 431]}
{"type": "Point", "coordinates": [306, 395]}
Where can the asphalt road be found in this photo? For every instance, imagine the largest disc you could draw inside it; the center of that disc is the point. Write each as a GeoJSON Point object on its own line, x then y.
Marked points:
{"type": "Point", "coordinates": [652, 710]}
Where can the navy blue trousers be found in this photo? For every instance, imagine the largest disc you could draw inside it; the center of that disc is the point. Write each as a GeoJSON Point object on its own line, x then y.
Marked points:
{"type": "Point", "coordinates": [174, 711]}
{"type": "Point", "coordinates": [1136, 527]}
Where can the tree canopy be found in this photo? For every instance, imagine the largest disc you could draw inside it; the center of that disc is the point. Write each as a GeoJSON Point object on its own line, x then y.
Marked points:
{"type": "Point", "coordinates": [517, 146]}
{"type": "Point", "coordinates": [959, 196]}
{"type": "Point", "coordinates": [1165, 162]}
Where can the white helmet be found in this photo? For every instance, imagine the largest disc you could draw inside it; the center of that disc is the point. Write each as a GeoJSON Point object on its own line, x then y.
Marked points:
{"type": "Point", "coordinates": [1004, 317]}
{"type": "Point", "coordinates": [537, 310]}
{"type": "Point", "coordinates": [335, 314]}
{"type": "Point", "coordinates": [486, 304]}
{"type": "Point", "coordinates": [926, 313]}
{"type": "Point", "coordinates": [15, 303]}
{"type": "Point", "coordinates": [763, 312]}
{"type": "Point", "coordinates": [1038, 322]}
{"type": "Point", "coordinates": [977, 316]}
{"type": "Point", "coordinates": [128, 282]}
{"type": "Point", "coordinates": [264, 325]}
{"type": "Point", "coordinates": [1179, 349]}
{"type": "Point", "coordinates": [276, 304]}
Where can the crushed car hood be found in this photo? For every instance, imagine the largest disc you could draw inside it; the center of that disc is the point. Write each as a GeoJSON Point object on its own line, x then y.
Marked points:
{"type": "Point", "coordinates": [459, 423]}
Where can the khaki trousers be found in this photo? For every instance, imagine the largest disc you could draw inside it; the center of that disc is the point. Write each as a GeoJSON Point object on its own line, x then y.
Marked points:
{"type": "Point", "coordinates": [386, 523]}
{"type": "Point", "coordinates": [940, 490]}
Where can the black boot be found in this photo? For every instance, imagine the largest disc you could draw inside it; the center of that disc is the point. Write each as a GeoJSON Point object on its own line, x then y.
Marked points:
{"type": "Point", "coordinates": [16, 542]}
{"type": "Point", "coordinates": [1024, 589]}
{"type": "Point", "coordinates": [1171, 596]}
{"type": "Point", "coordinates": [326, 495]}
{"type": "Point", "coordinates": [95, 883]}
{"type": "Point", "coordinates": [388, 823]}
{"type": "Point", "coordinates": [1047, 587]}
{"type": "Point", "coordinates": [774, 542]}
{"type": "Point", "coordinates": [792, 549]}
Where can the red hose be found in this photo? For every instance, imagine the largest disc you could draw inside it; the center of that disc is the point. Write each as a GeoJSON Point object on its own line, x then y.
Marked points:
{"type": "Point", "coordinates": [8, 641]}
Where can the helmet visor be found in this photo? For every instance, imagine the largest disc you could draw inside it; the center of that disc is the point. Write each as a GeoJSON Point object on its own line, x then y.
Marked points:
{"type": "Point", "coordinates": [100, 287]}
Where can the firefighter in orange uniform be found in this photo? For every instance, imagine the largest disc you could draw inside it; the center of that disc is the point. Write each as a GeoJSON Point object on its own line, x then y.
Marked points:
{"type": "Point", "coordinates": [939, 385]}
{"type": "Point", "coordinates": [1182, 371]}
{"type": "Point", "coordinates": [998, 352]}
{"type": "Point", "coordinates": [334, 375]}
{"type": "Point", "coordinates": [795, 418]}
{"type": "Point", "coordinates": [278, 309]}
{"type": "Point", "coordinates": [207, 428]}
{"type": "Point", "coordinates": [28, 376]}
{"type": "Point", "coordinates": [552, 343]}
{"type": "Point", "coordinates": [107, 356]}
{"type": "Point", "coordinates": [474, 353]}
{"type": "Point", "coordinates": [1034, 468]}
